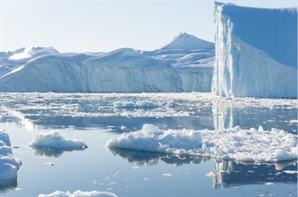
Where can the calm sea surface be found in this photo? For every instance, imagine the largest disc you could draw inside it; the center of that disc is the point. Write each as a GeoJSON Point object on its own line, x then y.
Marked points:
{"type": "Point", "coordinates": [95, 118]}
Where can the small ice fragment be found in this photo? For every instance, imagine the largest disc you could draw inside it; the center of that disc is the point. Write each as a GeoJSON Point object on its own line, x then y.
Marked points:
{"type": "Point", "coordinates": [48, 164]}
{"type": "Point", "coordinates": [167, 174]}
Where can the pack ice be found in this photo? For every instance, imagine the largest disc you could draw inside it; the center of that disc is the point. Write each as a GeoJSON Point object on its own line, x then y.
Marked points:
{"type": "Point", "coordinates": [9, 165]}
{"type": "Point", "coordinates": [183, 65]}
{"type": "Point", "coordinates": [256, 52]}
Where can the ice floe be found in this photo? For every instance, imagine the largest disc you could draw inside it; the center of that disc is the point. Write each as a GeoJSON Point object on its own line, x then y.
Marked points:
{"type": "Point", "coordinates": [253, 145]}
{"type": "Point", "coordinates": [79, 193]}
{"type": "Point", "coordinates": [54, 140]}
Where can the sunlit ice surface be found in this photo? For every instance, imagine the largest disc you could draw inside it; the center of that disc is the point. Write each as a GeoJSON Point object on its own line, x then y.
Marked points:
{"type": "Point", "coordinates": [96, 118]}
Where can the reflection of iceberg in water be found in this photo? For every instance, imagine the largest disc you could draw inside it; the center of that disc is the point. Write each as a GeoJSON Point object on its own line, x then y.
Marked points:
{"type": "Point", "coordinates": [140, 158]}
{"type": "Point", "coordinates": [5, 186]}
{"type": "Point", "coordinates": [40, 152]}
{"type": "Point", "coordinates": [230, 173]}
{"type": "Point", "coordinates": [226, 117]}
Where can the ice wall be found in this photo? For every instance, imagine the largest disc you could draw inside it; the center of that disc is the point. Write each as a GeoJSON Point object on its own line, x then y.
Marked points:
{"type": "Point", "coordinates": [65, 76]}
{"type": "Point", "coordinates": [256, 52]}
{"type": "Point", "coordinates": [183, 65]}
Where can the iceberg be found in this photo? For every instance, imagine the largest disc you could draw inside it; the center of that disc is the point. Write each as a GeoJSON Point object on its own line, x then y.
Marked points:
{"type": "Point", "coordinates": [248, 145]}
{"type": "Point", "coordinates": [183, 65]}
{"type": "Point", "coordinates": [9, 165]}
{"type": "Point", "coordinates": [256, 52]}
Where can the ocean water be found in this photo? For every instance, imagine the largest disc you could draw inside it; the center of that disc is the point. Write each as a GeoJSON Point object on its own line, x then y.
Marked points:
{"type": "Point", "coordinates": [95, 118]}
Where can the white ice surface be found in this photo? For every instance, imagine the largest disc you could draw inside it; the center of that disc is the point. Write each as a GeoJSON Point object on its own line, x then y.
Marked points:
{"type": "Point", "coordinates": [237, 144]}
{"type": "Point", "coordinates": [79, 193]}
{"type": "Point", "coordinates": [54, 140]}
{"type": "Point", "coordinates": [256, 52]}
{"type": "Point", "coordinates": [9, 165]}
{"type": "Point", "coordinates": [176, 68]}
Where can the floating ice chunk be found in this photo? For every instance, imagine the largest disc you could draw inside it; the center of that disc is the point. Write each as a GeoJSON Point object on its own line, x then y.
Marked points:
{"type": "Point", "coordinates": [150, 138]}
{"type": "Point", "coordinates": [48, 164]}
{"type": "Point", "coordinates": [54, 140]}
{"type": "Point", "coordinates": [237, 144]}
{"type": "Point", "coordinates": [79, 193]}
{"type": "Point", "coordinates": [9, 165]}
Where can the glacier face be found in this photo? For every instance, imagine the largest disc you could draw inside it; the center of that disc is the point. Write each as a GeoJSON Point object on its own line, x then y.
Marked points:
{"type": "Point", "coordinates": [60, 76]}
{"type": "Point", "coordinates": [174, 68]}
{"type": "Point", "coordinates": [256, 52]}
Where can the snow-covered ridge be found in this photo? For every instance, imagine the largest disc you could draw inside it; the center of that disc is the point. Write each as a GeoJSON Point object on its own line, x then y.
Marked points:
{"type": "Point", "coordinates": [184, 65]}
{"type": "Point", "coordinates": [30, 52]}
{"type": "Point", "coordinates": [252, 63]}
{"type": "Point", "coordinates": [190, 42]}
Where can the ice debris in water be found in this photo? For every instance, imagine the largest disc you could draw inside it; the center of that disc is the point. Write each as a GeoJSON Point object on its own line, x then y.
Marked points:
{"type": "Point", "coordinates": [54, 140]}
{"type": "Point", "coordinates": [236, 143]}
{"type": "Point", "coordinates": [79, 193]}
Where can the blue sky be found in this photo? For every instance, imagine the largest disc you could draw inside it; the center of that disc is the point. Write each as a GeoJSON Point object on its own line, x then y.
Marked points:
{"type": "Point", "coordinates": [101, 26]}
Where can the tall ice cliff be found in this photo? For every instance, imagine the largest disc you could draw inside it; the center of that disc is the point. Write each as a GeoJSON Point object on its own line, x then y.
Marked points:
{"type": "Point", "coordinates": [256, 52]}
